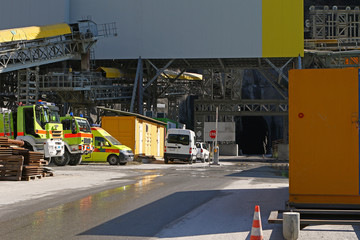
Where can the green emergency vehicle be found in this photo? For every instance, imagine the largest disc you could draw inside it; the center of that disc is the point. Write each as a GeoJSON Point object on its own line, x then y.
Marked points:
{"type": "Point", "coordinates": [38, 125]}
{"type": "Point", "coordinates": [108, 149]}
{"type": "Point", "coordinates": [77, 138]}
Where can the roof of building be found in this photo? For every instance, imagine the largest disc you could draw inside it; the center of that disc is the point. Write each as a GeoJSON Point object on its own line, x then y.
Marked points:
{"type": "Point", "coordinates": [124, 113]}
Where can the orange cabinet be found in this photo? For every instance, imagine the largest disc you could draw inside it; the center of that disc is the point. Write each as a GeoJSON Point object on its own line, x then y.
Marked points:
{"type": "Point", "coordinates": [324, 137]}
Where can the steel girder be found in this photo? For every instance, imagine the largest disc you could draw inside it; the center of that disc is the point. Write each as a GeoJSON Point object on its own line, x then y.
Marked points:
{"type": "Point", "coordinates": [26, 55]}
{"type": "Point", "coordinates": [205, 111]}
{"type": "Point", "coordinates": [330, 59]}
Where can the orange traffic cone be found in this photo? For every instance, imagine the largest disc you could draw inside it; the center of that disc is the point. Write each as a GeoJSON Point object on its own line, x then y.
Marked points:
{"type": "Point", "coordinates": [256, 231]}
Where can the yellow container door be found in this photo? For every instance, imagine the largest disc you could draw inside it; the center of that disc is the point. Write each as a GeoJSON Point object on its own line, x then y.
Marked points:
{"type": "Point", "coordinates": [148, 139]}
{"type": "Point", "coordinates": [324, 136]}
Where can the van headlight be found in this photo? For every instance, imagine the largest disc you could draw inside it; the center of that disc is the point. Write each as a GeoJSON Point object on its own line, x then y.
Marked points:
{"type": "Point", "coordinates": [124, 152]}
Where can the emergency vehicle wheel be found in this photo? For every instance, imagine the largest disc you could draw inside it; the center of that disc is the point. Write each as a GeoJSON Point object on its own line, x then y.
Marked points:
{"type": "Point", "coordinates": [75, 159]}
{"type": "Point", "coordinates": [113, 160]}
{"type": "Point", "coordinates": [67, 157]}
{"type": "Point", "coordinates": [60, 161]}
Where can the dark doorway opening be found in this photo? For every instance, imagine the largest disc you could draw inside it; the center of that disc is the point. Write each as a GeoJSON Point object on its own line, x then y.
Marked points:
{"type": "Point", "coordinates": [251, 134]}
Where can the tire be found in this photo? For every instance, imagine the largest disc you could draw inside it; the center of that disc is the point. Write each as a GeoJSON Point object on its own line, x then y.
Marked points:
{"type": "Point", "coordinates": [207, 159]}
{"type": "Point", "coordinates": [60, 161]}
{"type": "Point", "coordinates": [75, 159]}
{"type": "Point", "coordinates": [190, 161]}
{"type": "Point", "coordinates": [67, 157]}
{"type": "Point", "coordinates": [166, 160]}
{"type": "Point", "coordinates": [113, 160]}
{"type": "Point", "coordinates": [28, 146]}
{"type": "Point", "coordinates": [203, 160]}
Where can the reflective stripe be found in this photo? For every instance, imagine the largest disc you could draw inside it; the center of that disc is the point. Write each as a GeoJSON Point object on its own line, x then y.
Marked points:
{"type": "Point", "coordinates": [7, 134]}
{"type": "Point", "coordinates": [41, 131]}
{"type": "Point", "coordinates": [20, 133]}
{"type": "Point", "coordinates": [106, 150]}
{"type": "Point", "coordinates": [85, 135]}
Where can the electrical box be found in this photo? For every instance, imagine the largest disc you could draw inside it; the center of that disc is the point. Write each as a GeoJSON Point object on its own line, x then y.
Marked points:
{"type": "Point", "coordinates": [324, 138]}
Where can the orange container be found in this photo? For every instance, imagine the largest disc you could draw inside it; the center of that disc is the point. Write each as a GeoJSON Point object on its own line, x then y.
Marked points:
{"type": "Point", "coordinates": [324, 137]}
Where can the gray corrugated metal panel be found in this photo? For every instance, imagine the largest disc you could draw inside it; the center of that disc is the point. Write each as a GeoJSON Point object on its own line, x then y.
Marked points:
{"type": "Point", "coordinates": [124, 113]}
{"type": "Point", "coordinates": [196, 29]}
{"type": "Point", "coordinates": [23, 13]}
{"type": "Point", "coordinates": [196, 63]}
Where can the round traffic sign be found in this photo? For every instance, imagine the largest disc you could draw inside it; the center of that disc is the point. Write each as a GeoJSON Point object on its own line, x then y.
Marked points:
{"type": "Point", "coordinates": [212, 134]}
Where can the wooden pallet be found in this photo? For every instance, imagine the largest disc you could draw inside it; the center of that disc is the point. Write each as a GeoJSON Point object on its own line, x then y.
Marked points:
{"type": "Point", "coordinates": [10, 175]}
{"type": "Point", "coordinates": [5, 151]}
{"type": "Point", "coordinates": [34, 159]}
{"type": "Point", "coordinates": [11, 168]}
{"type": "Point", "coordinates": [32, 177]}
{"type": "Point", "coordinates": [4, 141]}
{"type": "Point", "coordinates": [48, 174]}
{"type": "Point", "coordinates": [19, 151]}
{"type": "Point", "coordinates": [32, 170]}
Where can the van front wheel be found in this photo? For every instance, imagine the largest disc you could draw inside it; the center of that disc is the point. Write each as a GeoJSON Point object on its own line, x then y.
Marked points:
{"type": "Point", "coordinates": [113, 160]}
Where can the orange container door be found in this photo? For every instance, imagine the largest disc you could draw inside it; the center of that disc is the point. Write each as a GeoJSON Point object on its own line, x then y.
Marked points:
{"type": "Point", "coordinates": [323, 132]}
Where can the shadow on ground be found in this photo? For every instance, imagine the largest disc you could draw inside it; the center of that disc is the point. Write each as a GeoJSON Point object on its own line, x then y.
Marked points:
{"type": "Point", "coordinates": [232, 215]}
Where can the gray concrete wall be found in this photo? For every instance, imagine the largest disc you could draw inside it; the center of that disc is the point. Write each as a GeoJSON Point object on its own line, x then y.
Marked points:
{"type": "Point", "coordinates": [228, 150]}
{"type": "Point", "coordinates": [154, 28]}
{"type": "Point", "coordinates": [25, 13]}
{"type": "Point", "coordinates": [176, 29]}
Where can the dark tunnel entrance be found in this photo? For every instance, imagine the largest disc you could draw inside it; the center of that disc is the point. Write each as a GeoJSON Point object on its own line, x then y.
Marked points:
{"type": "Point", "coordinates": [251, 133]}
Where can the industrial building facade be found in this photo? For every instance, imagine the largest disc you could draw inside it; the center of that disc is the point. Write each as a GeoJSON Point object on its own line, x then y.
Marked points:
{"type": "Point", "coordinates": [168, 29]}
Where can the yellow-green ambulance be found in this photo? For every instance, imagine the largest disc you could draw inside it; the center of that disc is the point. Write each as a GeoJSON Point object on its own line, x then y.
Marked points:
{"type": "Point", "coordinates": [108, 149]}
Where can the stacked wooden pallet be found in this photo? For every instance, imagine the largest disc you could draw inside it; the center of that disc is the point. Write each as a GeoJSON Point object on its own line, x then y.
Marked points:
{"type": "Point", "coordinates": [33, 165]}
{"type": "Point", "coordinates": [11, 165]}
{"type": "Point", "coordinates": [17, 163]}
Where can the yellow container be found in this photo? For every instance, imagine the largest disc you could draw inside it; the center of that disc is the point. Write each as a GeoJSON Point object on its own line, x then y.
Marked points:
{"type": "Point", "coordinates": [324, 137]}
{"type": "Point", "coordinates": [144, 137]}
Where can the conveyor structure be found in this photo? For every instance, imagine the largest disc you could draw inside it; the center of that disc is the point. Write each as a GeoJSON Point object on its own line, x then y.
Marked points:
{"type": "Point", "coordinates": [24, 48]}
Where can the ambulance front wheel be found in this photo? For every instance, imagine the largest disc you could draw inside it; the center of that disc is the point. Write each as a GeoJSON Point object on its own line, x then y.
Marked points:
{"type": "Point", "coordinates": [113, 160]}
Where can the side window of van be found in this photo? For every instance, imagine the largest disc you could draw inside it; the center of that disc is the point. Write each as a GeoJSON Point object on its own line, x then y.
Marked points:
{"type": "Point", "coordinates": [179, 139]}
{"type": "Point", "coordinates": [100, 141]}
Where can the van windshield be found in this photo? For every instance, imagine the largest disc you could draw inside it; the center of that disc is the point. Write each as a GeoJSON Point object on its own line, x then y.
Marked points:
{"type": "Point", "coordinates": [113, 140]}
{"type": "Point", "coordinates": [178, 138]}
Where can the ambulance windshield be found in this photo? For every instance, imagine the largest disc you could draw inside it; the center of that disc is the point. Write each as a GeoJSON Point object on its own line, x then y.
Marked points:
{"type": "Point", "coordinates": [113, 140]}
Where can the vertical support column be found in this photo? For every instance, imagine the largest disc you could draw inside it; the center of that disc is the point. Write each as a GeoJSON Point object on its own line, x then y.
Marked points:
{"type": "Point", "coordinates": [140, 90]}
{"type": "Point", "coordinates": [85, 61]}
{"type": "Point", "coordinates": [135, 85]}
{"type": "Point", "coordinates": [299, 62]}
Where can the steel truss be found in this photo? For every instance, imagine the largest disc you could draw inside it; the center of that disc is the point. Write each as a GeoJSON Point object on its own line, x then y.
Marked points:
{"type": "Point", "coordinates": [329, 59]}
{"type": "Point", "coordinates": [222, 88]}
{"type": "Point", "coordinates": [35, 53]}
{"type": "Point", "coordinates": [336, 28]}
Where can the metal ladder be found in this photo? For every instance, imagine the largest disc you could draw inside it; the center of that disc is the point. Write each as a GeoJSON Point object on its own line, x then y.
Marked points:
{"type": "Point", "coordinates": [6, 115]}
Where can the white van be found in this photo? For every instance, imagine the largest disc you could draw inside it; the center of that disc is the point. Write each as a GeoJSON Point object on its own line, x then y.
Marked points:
{"type": "Point", "coordinates": [180, 145]}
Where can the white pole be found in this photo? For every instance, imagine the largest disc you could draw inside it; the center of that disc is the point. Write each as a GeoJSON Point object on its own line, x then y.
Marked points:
{"type": "Point", "coordinates": [216, 149]}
